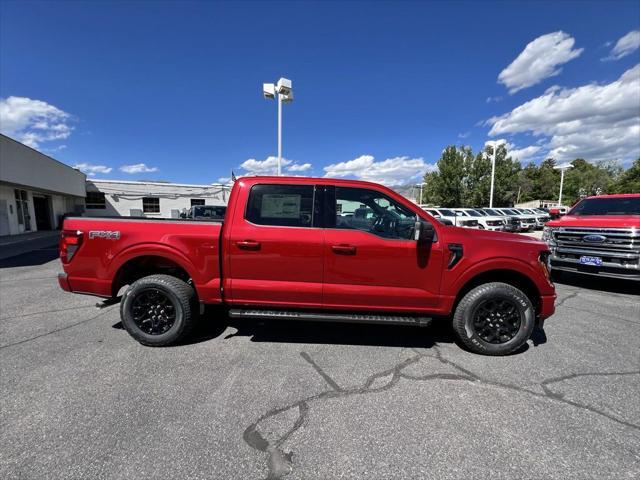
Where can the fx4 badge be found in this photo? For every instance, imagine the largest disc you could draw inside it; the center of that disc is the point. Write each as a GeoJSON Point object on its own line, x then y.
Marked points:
{"type": "Point", "coordinates": [109, 235]}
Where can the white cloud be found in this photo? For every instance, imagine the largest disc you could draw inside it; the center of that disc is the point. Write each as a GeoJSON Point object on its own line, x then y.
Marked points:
{"type": "Point", "coordinates": [299, 167]}
{"type": "Point", "coordinates": [464, 135]}
{"type": "Point", "coordinates": [596, 122]}
{"type": "Point", "coordinates": [523, 154]}
{"type": "Point", "coordinates": [33, 121]}
{"type": "Point", "coordinates": [625, 46]}
{"type": "Point", "coordinates": [540, 59]}
{"type": "Point", "coordinates": [91, 170]}
{"type": "Point", "coordinates": [269, 166]}
{"type": "Point", "coordinates": [137, 168]}
{"type": "Point", "coordinates": [392, 171]}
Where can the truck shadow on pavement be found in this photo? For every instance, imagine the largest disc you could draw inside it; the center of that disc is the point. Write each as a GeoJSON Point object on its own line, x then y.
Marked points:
{"type": "Point", "coordinates": [610, 285]}
{"type": "Point", "coordinates": [34, 258]}
{"type": "Point", "coordinates": [215, 323]}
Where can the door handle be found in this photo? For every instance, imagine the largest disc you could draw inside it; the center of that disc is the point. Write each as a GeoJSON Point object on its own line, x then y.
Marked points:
{"type": "Point", "coordinates": [248, 245]}
{"type": "Point", "coordinates": [344, 249]}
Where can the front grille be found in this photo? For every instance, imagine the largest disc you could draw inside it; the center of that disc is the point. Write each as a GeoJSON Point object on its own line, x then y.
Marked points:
{"type": "Point", "coordinates": [469, 223]}
{"type": "Point", "coordinates": [619, 249]}
{"type": "Point", "coordinates": [494, 223]}
{"type": "Point", "coordinates": [620, 240]}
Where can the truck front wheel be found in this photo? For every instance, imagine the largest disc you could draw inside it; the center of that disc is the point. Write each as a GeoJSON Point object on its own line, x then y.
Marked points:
{"type": "Point", "coordinates": [494, 319]}
{"type": "Point", "coordinates": [158, 310]}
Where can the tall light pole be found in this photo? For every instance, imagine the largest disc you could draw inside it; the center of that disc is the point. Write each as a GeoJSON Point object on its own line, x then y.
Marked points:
{"type": "Point", "coordinates": [493, 168]}
{"type": "Point", "coordinates": [420, 198]}
{"type": "Point", "coordinates": [562, 168]}
{"type": "Point", "coordinates": [282, 89]}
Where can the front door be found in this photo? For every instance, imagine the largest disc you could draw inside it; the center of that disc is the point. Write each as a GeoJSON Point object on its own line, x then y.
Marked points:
{"type": "Point", "coordinates": [41, 209]}
{"type": "Point", "coordinates": [371, 259]}
{"type": "Point", "coordinates": [275, 249]}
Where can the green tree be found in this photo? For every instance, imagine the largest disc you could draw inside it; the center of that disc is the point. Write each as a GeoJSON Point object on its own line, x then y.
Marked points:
{"type": "Point", "coordinates": [629, 181]}
{"type": "Point", "coordinates": [477, 180]}
{"type": "Point", "coordinates": [547, 184]}
{"type": "Point", "coordinates": [448, 184]}
{"type": "Point", "coordinates": [527, 180]}
{"type": "Point", "coordinates": [505, 188]}
{"type": "Point", "coordinates": [586, 179]}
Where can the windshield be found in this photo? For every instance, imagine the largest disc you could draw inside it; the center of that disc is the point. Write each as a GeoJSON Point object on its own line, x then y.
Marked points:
{"type": "Point", "coordinates": [447, 213]}
{"type": "Point", "coordinates": [607, 206]}
{"type": "Point", "coordinates": [511, 211]}
{"type": "Point", "coordinates": [473, 213]}
{"type": "Point", "coordinates": [491, 211]}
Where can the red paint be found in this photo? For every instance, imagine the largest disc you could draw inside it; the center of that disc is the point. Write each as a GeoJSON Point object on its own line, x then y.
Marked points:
{"type": "Point", "coordinates": [316, 267]}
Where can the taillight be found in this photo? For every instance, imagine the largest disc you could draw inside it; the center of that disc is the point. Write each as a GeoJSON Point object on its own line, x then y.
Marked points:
{"type": "Point", "coordinates": [70, 241]}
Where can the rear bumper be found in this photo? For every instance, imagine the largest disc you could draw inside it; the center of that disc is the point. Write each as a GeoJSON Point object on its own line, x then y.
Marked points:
{"type": "Point", "coordinates": [63, 281]}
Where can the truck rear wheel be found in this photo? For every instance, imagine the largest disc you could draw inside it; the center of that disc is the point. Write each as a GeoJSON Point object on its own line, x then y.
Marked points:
{"type": "Point", "coordinates": [158, 310]}
{"type": "Point", "coordinates": [494, 319]}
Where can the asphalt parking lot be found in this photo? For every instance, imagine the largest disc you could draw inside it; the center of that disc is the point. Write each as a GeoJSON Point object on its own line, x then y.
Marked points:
{"type": "Point", "coordinates": [243, 400]}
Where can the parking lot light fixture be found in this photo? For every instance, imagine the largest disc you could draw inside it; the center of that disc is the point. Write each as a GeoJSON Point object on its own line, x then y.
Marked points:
{"type": "Point", "coordinates": [284, 93]}
{"type": "Point", "coordinates": [493, 167]}
{"type": "Point", "coordinates": [562, 168]}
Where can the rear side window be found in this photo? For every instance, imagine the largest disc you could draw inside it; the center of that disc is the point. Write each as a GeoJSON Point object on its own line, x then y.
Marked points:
{"type": "Point", "coordinates": [281, 205]}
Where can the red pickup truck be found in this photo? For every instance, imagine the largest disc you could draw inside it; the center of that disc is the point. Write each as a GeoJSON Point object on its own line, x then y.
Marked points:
{"type": "Point", "coordinates": [598, 236]}
{"type": "Point", "coordinates": [312, 249]}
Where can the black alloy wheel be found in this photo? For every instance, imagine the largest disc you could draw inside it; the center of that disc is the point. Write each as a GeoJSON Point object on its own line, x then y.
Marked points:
{"type": "Point", "coordinates": [153, 311]}
{"type": "Point", "coordinates": [497, 320]}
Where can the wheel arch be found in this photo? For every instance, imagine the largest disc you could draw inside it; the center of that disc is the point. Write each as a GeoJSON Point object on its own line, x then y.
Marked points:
{"type": "Point", "coordinates": [503, 275]}
{"type": "Point", "coordinates": [145, 262]}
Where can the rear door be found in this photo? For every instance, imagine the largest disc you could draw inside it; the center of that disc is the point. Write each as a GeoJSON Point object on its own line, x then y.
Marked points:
{"type": "Point", "coordinates": [371, 261]}
{"type": "Point", "coordinates": [275, 249]}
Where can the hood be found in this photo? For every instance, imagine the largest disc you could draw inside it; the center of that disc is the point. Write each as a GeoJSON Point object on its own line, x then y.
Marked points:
{"type": "Point", "coordinates": [597, 221]}
{"type": "Point", "coordinates": [514, 240]}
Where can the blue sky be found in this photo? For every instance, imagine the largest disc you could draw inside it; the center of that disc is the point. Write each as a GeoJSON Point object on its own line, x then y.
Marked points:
{"type": "Point", "coordinates": [380, 87]}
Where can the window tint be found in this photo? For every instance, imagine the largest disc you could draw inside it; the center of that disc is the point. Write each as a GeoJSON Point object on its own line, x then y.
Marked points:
{"type": "Point", "coordinates": [150, 205]}
{"type": "Point", "coordinates": [607, 206]}
{"type": "Point", "coordinates": [373, 212]}
{"type": "Point", "coordinates": [281, 205]}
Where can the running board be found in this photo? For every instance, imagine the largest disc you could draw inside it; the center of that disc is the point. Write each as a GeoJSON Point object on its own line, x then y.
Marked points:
{"type": "Point", "coordinates": [329, 317]}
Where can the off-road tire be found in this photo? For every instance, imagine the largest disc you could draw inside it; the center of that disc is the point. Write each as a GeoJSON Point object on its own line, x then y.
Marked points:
{"type": "Point", "coordinates": [463, 319]}
{"type": "Point", "coordinates": [181, 295]}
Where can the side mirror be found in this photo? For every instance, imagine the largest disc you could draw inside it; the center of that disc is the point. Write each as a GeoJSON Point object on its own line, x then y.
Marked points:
{"type": "Point", "coordinates": [423, 232]}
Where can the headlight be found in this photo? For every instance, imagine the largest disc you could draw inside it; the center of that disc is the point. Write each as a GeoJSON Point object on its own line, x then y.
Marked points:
{"type": "Point", "coordinates": [546, 235]}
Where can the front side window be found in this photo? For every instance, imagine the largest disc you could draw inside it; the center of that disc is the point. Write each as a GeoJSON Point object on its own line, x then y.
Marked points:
{"type": "Point", "coordinates": [281, 205]}
{"type": "Point", "coordinates": [150, 205]}
{"type": "Point", "coordinates": [373, 212]}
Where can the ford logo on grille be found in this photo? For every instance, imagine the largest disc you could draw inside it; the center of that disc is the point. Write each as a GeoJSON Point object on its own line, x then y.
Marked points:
{"type": "Point", "coordinates": [594, 238]}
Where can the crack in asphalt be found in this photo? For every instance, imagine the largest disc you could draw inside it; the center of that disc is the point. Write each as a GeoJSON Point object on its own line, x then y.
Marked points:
{"type": "Point", "coordinates": [45, 311]}
{"type": "Point", "coordinates": [568, 297]}
{"type": "Point", "coordinates": [280, 462]}
{"type": "Point", "coordinates": [66, 327]}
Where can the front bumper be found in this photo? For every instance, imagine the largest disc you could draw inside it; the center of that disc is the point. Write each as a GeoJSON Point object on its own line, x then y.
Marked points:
{"type": "Point", "coordinates": [547, 306]}
{"type": "Point", "coordinates": [608, 269]}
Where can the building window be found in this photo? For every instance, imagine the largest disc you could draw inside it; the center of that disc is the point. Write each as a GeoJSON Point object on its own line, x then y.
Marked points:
{"type": "Point", "coordinates": [197, 201]}
{"type": "Point", "coordinates": [95, 201]}
{"type": "Point", "coordinates": [22, 207]}
{"type": "Point", "coordinates": [150, 205]}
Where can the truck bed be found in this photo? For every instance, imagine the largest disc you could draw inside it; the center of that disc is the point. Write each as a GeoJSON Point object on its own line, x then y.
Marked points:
{"type": "Point", "coordinates": [191, 245]}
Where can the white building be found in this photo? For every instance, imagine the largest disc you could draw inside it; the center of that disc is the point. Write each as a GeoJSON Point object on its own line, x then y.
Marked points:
{"type": "Point", "coordinates": [149, 199]}
{"type": "Point", "coordinates": [35, 189]}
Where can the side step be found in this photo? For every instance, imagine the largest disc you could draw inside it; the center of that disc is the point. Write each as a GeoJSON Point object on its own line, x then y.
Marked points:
{"type": "Point", "coordinates": [329, 317]}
